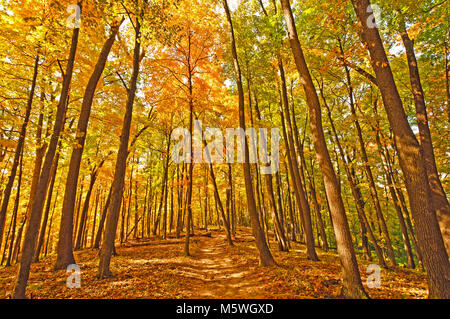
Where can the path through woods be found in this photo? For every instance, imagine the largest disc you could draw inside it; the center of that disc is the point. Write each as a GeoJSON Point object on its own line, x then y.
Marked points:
{"type": "Point", "coordinates": [222, 275]}
{"type": "Point", "coordinates": [93, 99]}
{"type": "Point", "coordinates": [157, 269]}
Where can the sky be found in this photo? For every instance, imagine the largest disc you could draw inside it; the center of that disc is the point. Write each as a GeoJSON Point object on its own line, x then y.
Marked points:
{"type": "Point", "coordinates": [233, 4]}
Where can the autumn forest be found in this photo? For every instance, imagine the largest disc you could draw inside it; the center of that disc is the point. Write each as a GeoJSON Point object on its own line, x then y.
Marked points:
{"type": "Point", "coordinates": [222, 149]}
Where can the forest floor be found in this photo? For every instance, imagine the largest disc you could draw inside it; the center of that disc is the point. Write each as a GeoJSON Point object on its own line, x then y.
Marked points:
{"type": "Point", "coordinates": [157, 269]}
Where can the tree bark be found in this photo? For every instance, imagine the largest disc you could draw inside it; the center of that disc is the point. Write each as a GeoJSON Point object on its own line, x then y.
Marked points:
{"type": "Point", "coordinates": [64, 249]}
{"type": "Point", "coordinates": [440, 201]}
{"type": "Point", "coordinates": [396, 202]}
{"type": "Point", "coordinates": [276, 213]}
{"type": "Point", "coordinates": [163, 188]}
{"type": "Point", "coordinates": [47, 209]}
{"type": "Point", "coordinates": [84, 212]}
{"type": "Point", "coordinates": [299, 191]}
{"type": "Point", "coordinates": [226, 221]}
{"type": "Point", "coordinates": [367, 169]}
{"type": "Point", "coordinates": [411, 161]}
{"type": "Point", "coordinates": [121, 162]}
{"type": "Point", "coordinates": [18, 152]}
{"type": "Point", "coordinates": [38, 203]}
{"type": "Point", "coordinates": [356, 193]}
{"type": "Point", "coordinates": [101, 224]}
{"type": "Point", "coordinates": [15, 212]}
{"type": "Point", "coordinates": [265, 256]}
{"type": "Point", "coordinates": [352, 285]}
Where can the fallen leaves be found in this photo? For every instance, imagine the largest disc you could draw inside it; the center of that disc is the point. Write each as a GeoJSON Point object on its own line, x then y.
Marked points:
{"type": "Point", "coordinates": [158, 270]}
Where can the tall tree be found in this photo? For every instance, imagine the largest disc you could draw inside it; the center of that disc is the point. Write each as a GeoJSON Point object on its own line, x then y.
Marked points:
{"type": "Point", "coordinates": [299, 189]}
{"type": "Point", "coordinates": [440, 201]}
{"type": "Point", "coordinates": [19, 149]}
{"type": "Point", "coordinates": [64, 251]}
{"type": "Point", "coordinates": [112, 219]}
{"type": "Point", "coordinates": [411, 159]}
{"type": "Point", "coordinates": [367, 169]}
{"type": "Point", "coordinates": [352, 285]}
{"type": "Point", "coordinates": [38, 202]}
{"type": "Point", "coordinates": [265, 256]}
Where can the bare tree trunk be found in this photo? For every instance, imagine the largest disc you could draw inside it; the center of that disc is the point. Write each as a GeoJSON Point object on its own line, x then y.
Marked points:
{"type": "Point", "coordinates": [226, 221]}
{"type": "Point", "coordinates": [84, 212]}
{"type": "Point", "coordinates": [77, 210]}
{"type": "Point", "coordinates": [265, 256]}
{"type": "Point", "coordinates": [98, 202]}
{"type": "Point", "coordinates": [38, 203]}
{"type": "Point", "coordinates": [299, 190]}
{"type": "Point", "coordinates": [356, 193]}
{"type": "Point", "coordinates": [311, 187]}
{"type": "Point", "coordinates": [163, 189]}
{"type": "Point", "coordinates": [171, 208]}
{"type": "Point", "coordinates": [279, 229]}
{"type": "Point", "coordinates": [409, 225]}
{"type": "Point", "coordinates": [180, 203]}
{"type": "Point", "coordinates": [40, 153]}
{"type": "Point", "coordinates": [47, 209]}
{"type": "Point", "coordinates": [440, 201]}
{"type": "Point", "coordinates": [120, 170]}
{"type": "Point", "coordinates": [18, 152]}
{"type": "Point", "coordinates": [352, 281]}
{"type": "Point", "coordinates": [411, 160]}
{"type": "Point", "coordinates": [367, 169]}
{"type": "Point", "coordinates": [15, 212]}
{"type": "Point", "coordinates": [206, 198]}
{"type": "Point", "coordinates": [396, 202]}
{"type": "Point", "coordinates": [447, 77]}
{"type": "Point", "coordinates": [389, 178]}
{"type": "Point", "coordinates": [291, 210]}
{"type": "Point", "coordinates": [64, 251]}
{"type": "Point", "coordinates": [101, 224]}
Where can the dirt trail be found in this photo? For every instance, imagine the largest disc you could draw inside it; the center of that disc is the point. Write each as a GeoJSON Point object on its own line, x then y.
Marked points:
{"type": "Point", "coordinates": [157, 269]}
{"type": "Point", "coordinates": [223, 275]}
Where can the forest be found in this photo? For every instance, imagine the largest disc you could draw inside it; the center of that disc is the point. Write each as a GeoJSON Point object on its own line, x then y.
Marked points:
{"type": "Point", "coordinates": [212, 149]}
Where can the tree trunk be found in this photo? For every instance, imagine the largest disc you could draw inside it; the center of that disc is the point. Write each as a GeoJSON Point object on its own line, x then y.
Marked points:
{"type": "Point", "coordinates": [411, 160]}
{"type": "Point", "coordinates": [396, 203]}
{"type": "Point", "coordinates": [447, 76]}
{"type": "Point", "coordinates": [440, 201]}
{"type": "Point", "coordinates": [299, 190]}
{"type": "Point", "coordinates": [15, 212]}
{"type": "Point", "coordinates": [101, 224]}
{"type": "Point", "coordinates": [38, 203]}
{"type": "Point", "coordinates": [40, 153]}
{"type": "Point", "coordinates": [312, 189]}
{"type": "Point", "coordinates": [352, 281]}
{"type": "Point", "coordinates": [120, 170]}
{"type": "Point", "coordinates": [367, 169]}
{"type": "Point", "coordinates": [84, 212]}
{"type": "Point", "coordinates": [265, 256]}
{"type": "Point", "coordinates": [163, 188]}
{"type": "Point", "coordinates": [279, 230]}
{"type": "Point", "coordinates": [18, 152]}
{"type": "Point", "coordinates": [47, 209]}
{"type": "Point", "coordinates": [180, 202]}
{"type": "Point", "coordinates": [171, 208]}
{"type": "Point", "coordinates": [64, 249]}
{"type": "Point", "coordinates": [356, 193]}
{"type": "Point", "coordinates": [226, 222]}
{"type": "Point", "coordinates": [191, 148]}
{"type": "Point", "coordinates": [98, 202]}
